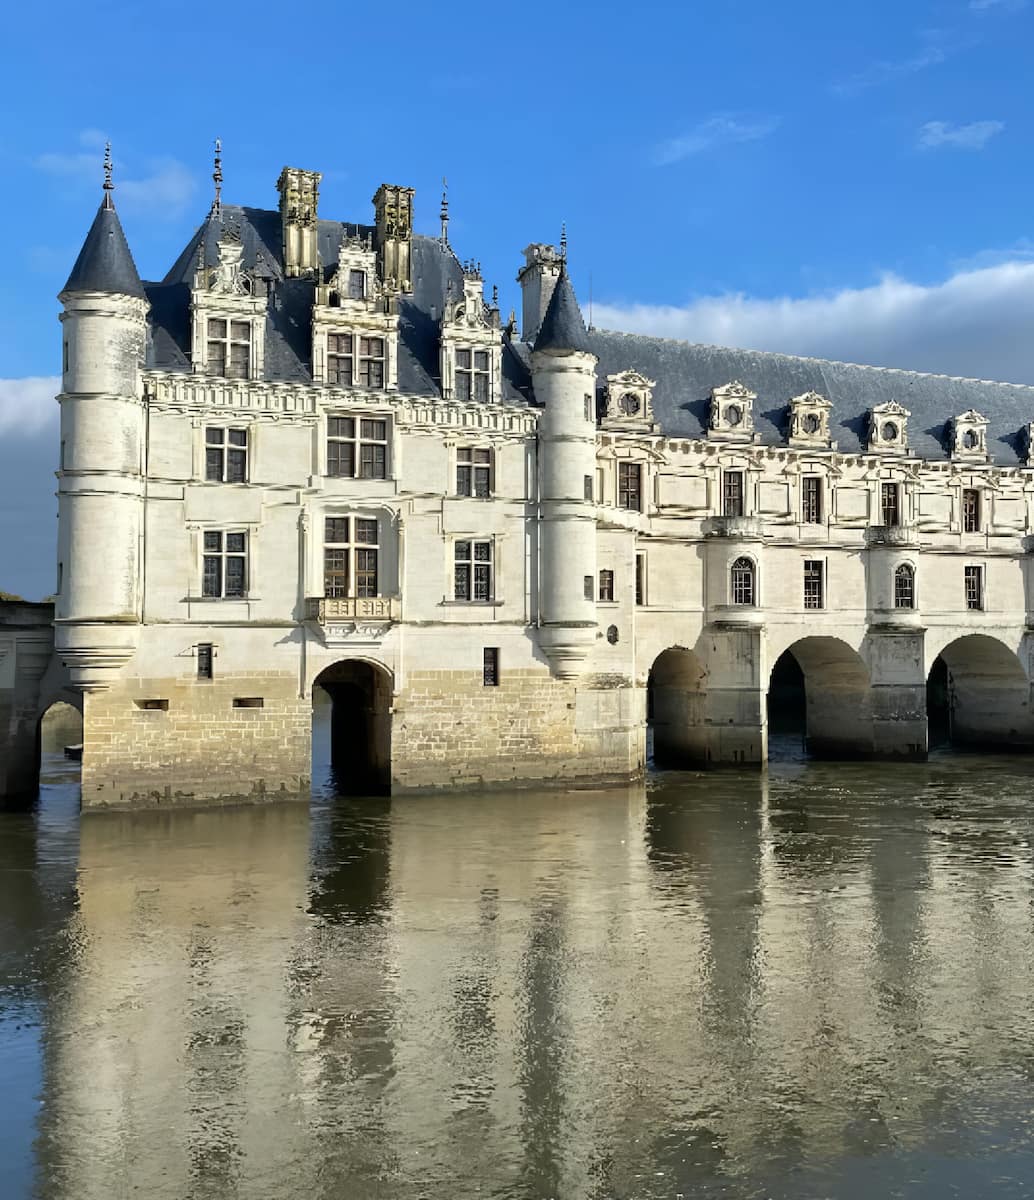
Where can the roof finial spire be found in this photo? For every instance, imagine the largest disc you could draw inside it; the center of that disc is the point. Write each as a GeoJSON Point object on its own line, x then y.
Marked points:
{"type": "Point", "coordinates": [445, 211]}
{"type": "Point", "coordinates": [109, 187]}
{"type": "Point", "coordinates": [563, 241]}
{"type": "Point", "coordinates": [217, 177]}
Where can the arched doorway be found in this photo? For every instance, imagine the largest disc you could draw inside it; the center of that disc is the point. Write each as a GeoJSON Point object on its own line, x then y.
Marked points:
{"type": "Point", "coordinates": [675, 700]}
{"type": "Point", "coordinates": [357, 733]}
{"type": "Point", "coordinates": [59, 748]}
{"type": "Point", "coordinates": [819, 701]}
{"type": "Point", "coordinates": [978, 697]}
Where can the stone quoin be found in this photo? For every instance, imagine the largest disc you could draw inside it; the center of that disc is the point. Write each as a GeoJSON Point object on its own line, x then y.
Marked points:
{"type": "Point", "coordinates": [314, 455]}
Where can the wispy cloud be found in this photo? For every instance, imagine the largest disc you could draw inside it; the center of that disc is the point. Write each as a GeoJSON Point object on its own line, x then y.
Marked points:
{"type": "Point", "coordinates": [976, 323]}
{"type": "Point", "coordinates": [27, 406]}
{"type": "Point", "coordinates": [722, 129]}
{"type": "Point", "coordinates": [1002, 5]}
{"type": "Point", "coordinates": [158, 187]}
{"type": "Point", "coordinates": [936, 46]}
{"type": "Point", "coordinates": [973, 136]}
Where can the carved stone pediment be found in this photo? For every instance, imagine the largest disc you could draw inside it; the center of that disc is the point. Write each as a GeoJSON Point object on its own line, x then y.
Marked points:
{"type": "Point", "coordinates": [227, 277]}
{"type": "Point", "coordinates": [969, 436]}
{"type": "Point", "coordinates": [732, 412]}
{"type": "Point", "coordinates": [888, 428]}
{"type": "Point", "coordinates": [809, 420]}
{"type": "Point", "coordinates": [628, 401]}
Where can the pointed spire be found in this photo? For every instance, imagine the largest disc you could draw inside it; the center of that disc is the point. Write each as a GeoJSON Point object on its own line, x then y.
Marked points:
{"type": "Point", "coordinates": [563, 241]}
{"type": "Point", "coordinates": [217, 178]}
{"type": "Point", "coordinates": [445, 212]}
{"type": "Point", "coordinates": [109, 187]}
{"type": "Point", "coordinates": [562, 328]}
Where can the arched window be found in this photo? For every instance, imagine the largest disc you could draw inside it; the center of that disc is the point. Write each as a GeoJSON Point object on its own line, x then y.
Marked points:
{"type": "Point", "coordinates": [742, 580]}
{"type": "Point", "coordinates": [905, 587]}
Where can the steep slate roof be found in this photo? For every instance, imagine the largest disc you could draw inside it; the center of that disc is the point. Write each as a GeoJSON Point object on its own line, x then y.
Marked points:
{"type": "Point", "coordinates": [685, 373]}
{"type": "Point", "coordinates": [105, 263]}
{"type": "Point", "coordinates": [562, 326]}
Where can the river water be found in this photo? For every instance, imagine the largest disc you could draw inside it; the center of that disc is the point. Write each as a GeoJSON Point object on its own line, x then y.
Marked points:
{"type": "Point", "coordinates": [811, 983]}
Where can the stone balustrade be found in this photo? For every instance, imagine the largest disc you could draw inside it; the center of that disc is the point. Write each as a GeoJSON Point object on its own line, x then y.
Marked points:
{"type": "Point", "coordinates": [745, 528]}
{"type": "Point", "coordinates": [352, 608]}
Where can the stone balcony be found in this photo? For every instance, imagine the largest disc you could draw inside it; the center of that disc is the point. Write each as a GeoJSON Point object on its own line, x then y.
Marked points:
{"type": "Point", "coordinates": [747, 529]}
{"type": "Point", "coordinates": [353, 621]}
{"type": "Point", "coordinates": [892, 535]}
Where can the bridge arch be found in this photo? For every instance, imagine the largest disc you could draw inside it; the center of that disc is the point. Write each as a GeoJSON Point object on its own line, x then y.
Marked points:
{"type": "Point", "coordinates": [358, 693]}
{"type": "Point", "coordinates": [819, 690]}
{"type": "Point", "coordinates": [675, 708]}
{"type": "Point", "coordinates": [978, 695]}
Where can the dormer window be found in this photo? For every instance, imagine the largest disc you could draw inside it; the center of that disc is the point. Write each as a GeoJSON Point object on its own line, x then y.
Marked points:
{"type": "Point", "coordinates": [229, 348]}
{"type": "Point", "coordinates": [357, 285]}
{"type": "Point", "coordinates": [809, 420]}
{"type": "Point", "coordinates": [732, 412]}
{"type": "Point", "coordinates": [339, 359]}
{"type": "Point", "coordinates": [628, 401]}
{"type": "Point", "coordinates": [888, 428]}
{"type": "Point", "coordinates": [472, 375]}
{"type": "Point", "coordinates": [371, 362]}
{"type": "Point", "coordinates": [969, 440]}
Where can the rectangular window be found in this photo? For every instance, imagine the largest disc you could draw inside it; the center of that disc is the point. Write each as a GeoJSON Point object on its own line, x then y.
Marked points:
{"type": "Point", "coordinates": [346, 451]}
{"type": "Point", "coordinates": [630, 480]}
{"type": "Point", "coordinates": [890, 503]}
{"type": "Point", "coordinates": [205, 661]}
{"type": "Point", "coordinates": [732, 494]}
{"type": "Point", "coordinates": [229, 348]}
{"type": "Point", "coordinates": [371, 362]}
{"type": "Point", "coordinates": [811, 500]}
{"type": "Point", "coordinates": [588, 589]}
{"type": "Point", "coordinates": [587, 488]}
{"type": "Point", "coordinates": [473, 471]}
{"type": "Point", "coordinates": [350, 553]}
{"type": "Point", "coordinates": [490, 671]}
{"type": "Point", "coordinates": [814, 590]}
{"type": "Point", "coordinates": [640, 579]}
{"type": "Point", "coordinates": [339, 359]}
{"type": "Point", "coordinates": [473, 571]}
{"type": "Point", "coordinates": [970, 510]}
{"type": "Point", "coordinates": [974, 577]}
{"type": "Point", "coordinates": [226, 455]}
{"type": "Point", "coordinates": [472, 375]}
{"type": "Point", "coordinates": [248, 702]}
{"type": "Point", "coordinates": [904, 587]}
{"type": "Point", "coordinates": [225, 564]}
{"type": "Point", "coordinates": [357, 285]}
{"type": "Point", "coordinates": [589, 415]}
{"type": "Point", "coordinates": [606, 585]}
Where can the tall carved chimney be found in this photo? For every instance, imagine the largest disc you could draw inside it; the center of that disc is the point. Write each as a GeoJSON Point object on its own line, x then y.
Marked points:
{"type": "Point", "coordinates": [299, 201]}
{"type": "Point", "coordinates": [393, 215]}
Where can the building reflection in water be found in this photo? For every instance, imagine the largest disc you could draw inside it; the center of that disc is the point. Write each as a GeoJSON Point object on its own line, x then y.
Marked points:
{"type": "Point", "coordinates": [747, 981]}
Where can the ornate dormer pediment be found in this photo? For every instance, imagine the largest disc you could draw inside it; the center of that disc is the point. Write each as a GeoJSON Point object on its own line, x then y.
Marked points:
{"type": "Point", "coordinates": [471, 342]}
{"type": "Point", "coordinates": [809, 420]}
{"type": "Point", "coordinates": [226, 277]}
{"type": "Point", "coordinates": [888, 428]}
{"type": "Point", "coordinates": [732, 412]}
{"type": "Point", "coordinates": [470, 311]}
{"type": "Point", "coordinates": [354, 287]}
{"type": "Point", "coordinates": [969, 436]}
{"type": "Point", "coordinates": [628, 401]}
{"type": "Point", "coordinates": [228, 306]}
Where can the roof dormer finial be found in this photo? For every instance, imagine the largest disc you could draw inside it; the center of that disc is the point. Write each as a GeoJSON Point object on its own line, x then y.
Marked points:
{"type": "Point", "coordinates": [445, 211]}
{"type": "Point", "coordinates": [563, 241]}
{"type": "Point", "coordinates": [109, 187]}
{"type": "Point", "coordinates": [217, 178]}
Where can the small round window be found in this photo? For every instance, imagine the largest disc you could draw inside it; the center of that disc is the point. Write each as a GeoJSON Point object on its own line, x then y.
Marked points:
{"type": "Point", "coordinates": [810, 423]}
{"type": "Point", "coordinates": [890, 432]}
{"type": "Point", "coordinates": [612, 635]}
{"type": "Point", "coordinates": [734, 414]}
{"type": "Point", "coordinates": [970, 441]}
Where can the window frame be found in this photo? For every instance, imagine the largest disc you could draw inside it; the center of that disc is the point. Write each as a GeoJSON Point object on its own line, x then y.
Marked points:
{"type": "Point", "coordinates": [606, 586]}
{"type": "Point", "coordinates": [971, 508]}
{"type": "Point", "coordinates": [490, 666]}
{"type": "Point", "coordinates": [743, 582]}
{"type": "Point", "coordinates": [976, 598]}
{"type": "Point", "coordinates": [733, 493]}
{"type": "Point", "coordinates": [355, 552]}
{"type": "Point", "coordinates": [472, 375]}
{"type": "Point", "coordinates": [363, 465]}
{"type": "Point", "coordinates": [901, 572]}
{"type": "Point", "coordinates": [811, 500]}
{"type": "Point", "coordinates": [227, 340]}
{"type": "Point", "coordinates": [215, 558]}
{"type": "Point", "coordinates": [476, 472]}
{"type": "Point", "coordinates": [228, 451]}
{"type": "Point", "coordinates": [890, 490]}
{"type": "Point", "coordinates": [814, 594]}
{"type": "Point", "coordinates": [628, 471]}
{"type": "Point", "coordinates": [475, 567]}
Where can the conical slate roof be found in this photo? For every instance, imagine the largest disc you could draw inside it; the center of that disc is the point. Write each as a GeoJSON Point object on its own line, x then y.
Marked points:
{"type": "Point", "coordinates": [562, 326]}
{"type": "Point", "coordinates": [105, 263]}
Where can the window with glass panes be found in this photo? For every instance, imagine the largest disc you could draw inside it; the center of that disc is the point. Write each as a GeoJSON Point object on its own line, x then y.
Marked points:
{"type": "Point", "coordinates": [630, 485]}
{"type": "Point", "coordinates": [371, 362]}
{"type": "Point", "coordinates": [472, 375]}
{"type": "Point", "coordinates": [732, 494]}
{"type": "Point", "coordinates": [226, 455]}
{"type": "Point", "coordinates": [890, 503]}
{"type": "Point", "coordinates": [905, 586]}
{"type": "Point", "coordinates": [357, 285]}
{"type": "Point", "coordinates": [225, 564]}
{"type": "Point", "coordinates": [814, 591]}
{"type": "Point", "coordinates": [473, 571]}
{"type": "Point", "coordinates": [339, 358]}
{"type": "Point", "coordinates": [974, 582]}
{"type": "Point", "coordinates": [357, 446]}
{"type": "Point", "coordinates": [350, 557]}
{"type": "Point", "coordinates": [229, 348]}
{"type": "Point", "coordinates": [606, 585]}
{"type": "Point", "coordinates": [811, 500]}
{"type": "Point", "coordinates": [473, 471]}
{"type": "Point", "coordinates": [970, 510]}
{"type": "Point", "coordinates": [742, 582]}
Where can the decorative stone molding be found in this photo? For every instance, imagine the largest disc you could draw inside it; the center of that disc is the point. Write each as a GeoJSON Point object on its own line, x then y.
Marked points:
{"type": "Point", "coordinates": [809, 420]}
{"type": "Point", "coordinates": [969, 437]}
{"type": "Point", "coordinates": [745, 528]}
{"type": "Point", "coordinates": [471, 327]}
{"type": "Point", "coordinates": [393, 213]}
{"type": "Point", "coordinates": [888, 428]}
{"type": "Point", "coordinates": [732, 413]}
{"type": "Point", "coordinates": [892, 535]}
{"type": "Point", "coordinates": [628, 402]}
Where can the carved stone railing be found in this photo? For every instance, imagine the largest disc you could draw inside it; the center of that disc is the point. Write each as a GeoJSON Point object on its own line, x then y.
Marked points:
{"type": "Point", "coordinates": [352, 608]}
{"type": "Point", "coordinates": [892, 535]}
{"type": "Point", "coordinates": [747, 528]}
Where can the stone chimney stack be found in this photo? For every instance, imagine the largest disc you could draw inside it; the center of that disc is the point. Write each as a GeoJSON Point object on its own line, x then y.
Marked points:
{"type": "Point", "coordinates": [393, 217]}
{"type": "Point", "coordinates": [299, 202]}
{"type": "Point", "coordinates": [537, 278]}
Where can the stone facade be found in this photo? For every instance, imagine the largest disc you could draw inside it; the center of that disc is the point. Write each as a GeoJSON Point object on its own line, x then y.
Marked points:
{"type": "Point", "coordinates": [315, 456]}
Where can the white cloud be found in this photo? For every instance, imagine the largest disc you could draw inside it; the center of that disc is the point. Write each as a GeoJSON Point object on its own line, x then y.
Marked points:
{"type": "Point", "coordinates": [157, 187]}
{"type": "Point", "coordinates": [27, 406]}
{"type": "Point", "coordinates": [977, 323]}
{"type": "Point", "coordinates": [973, 136]}
{"type": "Point", "coordinates": [722, 129]}
{"type": "Point", "coordinates": [936, 46]}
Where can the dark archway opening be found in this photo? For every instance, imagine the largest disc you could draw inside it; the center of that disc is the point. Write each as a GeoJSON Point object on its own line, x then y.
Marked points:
{"type": "Point", "coordinates": [675, 702]}
{"type": "Point", "coordinates": [978, 698]}
{"type": "Point", "coordinates": [938, 705]}
{"type": "Point", "coordinates": [352, 741]}
{"type": "Point", "coordinates": [787, 709]}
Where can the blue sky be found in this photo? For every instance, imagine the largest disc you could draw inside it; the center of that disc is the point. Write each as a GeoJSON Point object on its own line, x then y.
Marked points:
{"type": "Point", "coordinates": [850, 180]}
